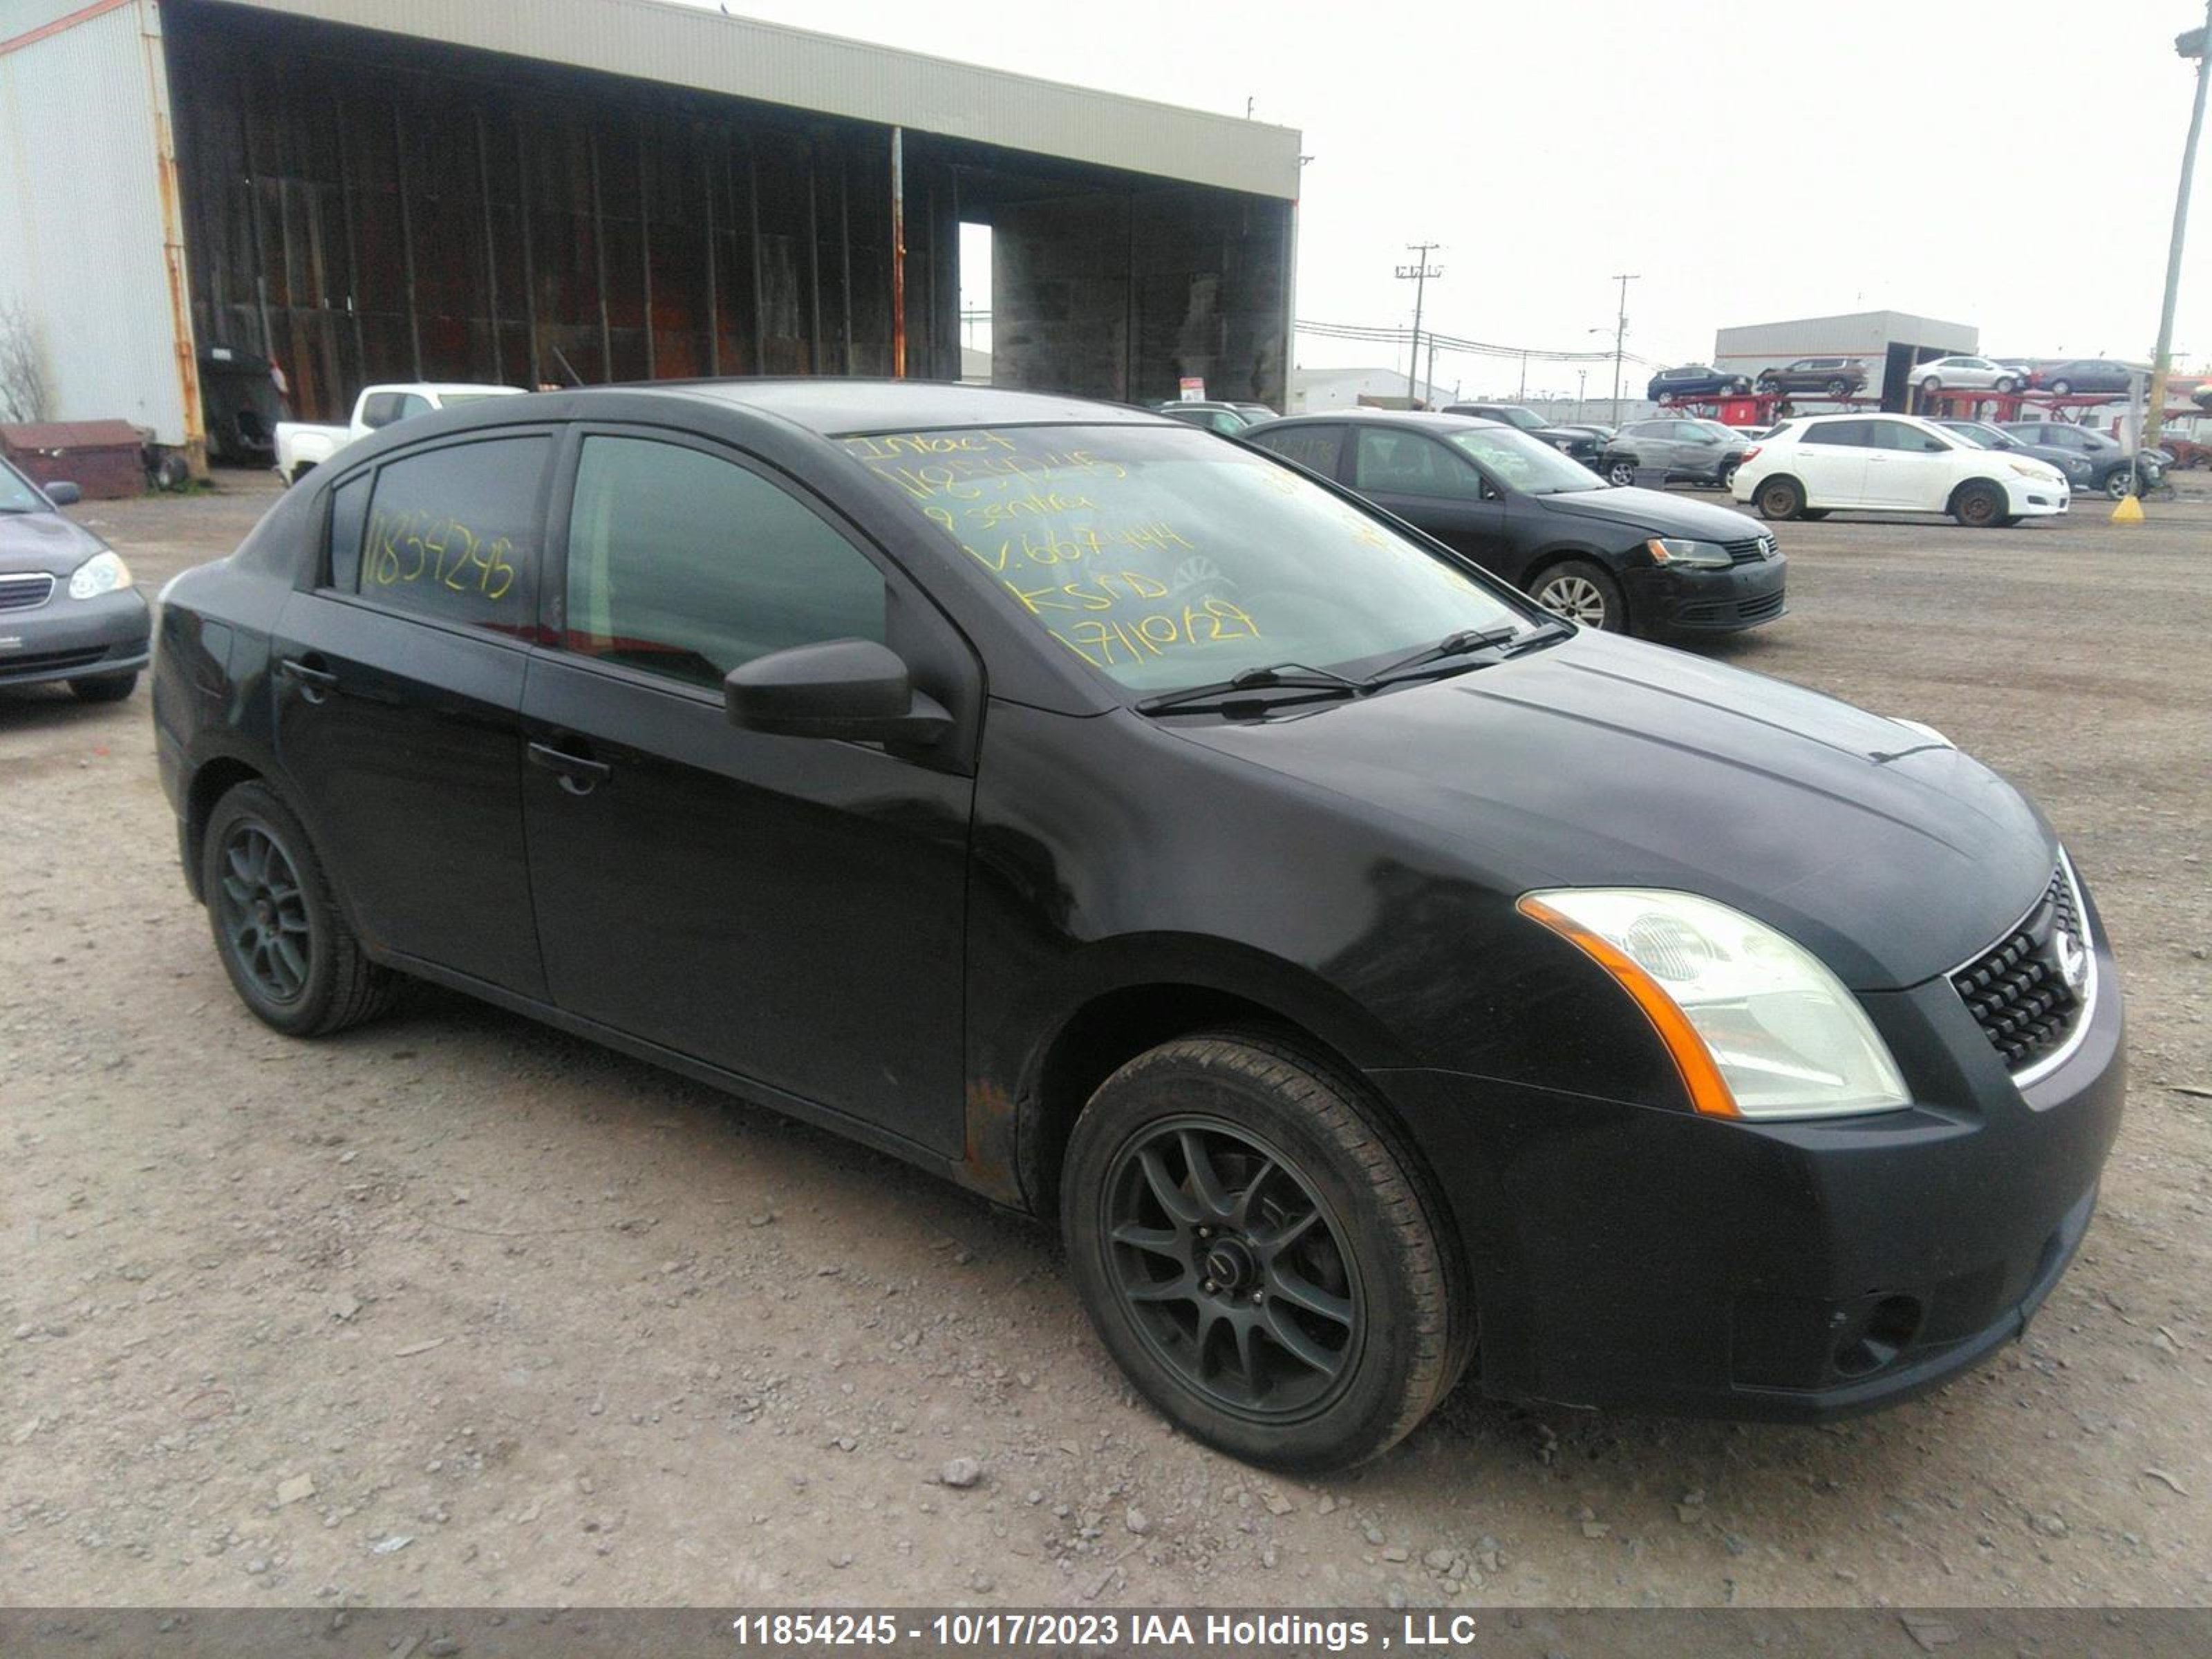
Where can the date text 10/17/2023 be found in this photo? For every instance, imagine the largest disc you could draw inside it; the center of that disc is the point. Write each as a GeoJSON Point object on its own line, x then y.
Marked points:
{"type": "Point", "coordinates": [1017, 1630]}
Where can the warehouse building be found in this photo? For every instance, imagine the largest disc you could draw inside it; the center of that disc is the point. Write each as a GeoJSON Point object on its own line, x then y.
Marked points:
{"type": "Point", "coordinates": [1886, 343]}
{"type": "Point", "coordinates": [538, 192]}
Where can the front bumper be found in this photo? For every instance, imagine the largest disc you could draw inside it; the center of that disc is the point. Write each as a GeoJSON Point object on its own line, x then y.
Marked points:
{"type": "Point", "coordinates": [1646, 1258]}
{"type": "Point", "coordinates": [2034, 498]}
{"type": "Point", "coordinates": [66, 639]}
{"type": "Point", "coordinates": [1678, 599]}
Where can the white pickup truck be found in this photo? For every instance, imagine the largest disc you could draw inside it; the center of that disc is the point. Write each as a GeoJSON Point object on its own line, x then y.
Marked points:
{"type": "Point", "coordinates": [301, 447]}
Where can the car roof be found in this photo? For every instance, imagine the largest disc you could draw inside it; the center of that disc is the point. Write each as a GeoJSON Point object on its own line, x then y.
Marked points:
{"type": "Point", "coordinates": [832, 406]}
{"type": "Point", "coordinates": [1429, 420]}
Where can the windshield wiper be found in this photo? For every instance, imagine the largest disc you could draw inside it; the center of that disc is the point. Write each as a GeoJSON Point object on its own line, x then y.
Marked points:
{"type": "Point", "coordinates": [1465, 642]}
{"type": "Point", "coordinates": [1288, 676]}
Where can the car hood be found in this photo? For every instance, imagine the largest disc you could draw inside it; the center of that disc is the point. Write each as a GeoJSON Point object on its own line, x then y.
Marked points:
{"type": "Point", "coordinates": [1601, 762]}
{"type": "Point", "coordinates": [43, 541]}
{"type": "Point", "coordinates": [1652, 510]}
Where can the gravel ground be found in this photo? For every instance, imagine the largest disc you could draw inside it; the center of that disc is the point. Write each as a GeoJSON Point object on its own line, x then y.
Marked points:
{"type": "Point", "coordinates": [456, 1309]}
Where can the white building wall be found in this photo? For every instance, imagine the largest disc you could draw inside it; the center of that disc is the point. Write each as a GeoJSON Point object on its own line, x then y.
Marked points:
{"type": "Point", "coordinates": [83, 248]}
{"type": "Point", "coordinates": [1313, 390]}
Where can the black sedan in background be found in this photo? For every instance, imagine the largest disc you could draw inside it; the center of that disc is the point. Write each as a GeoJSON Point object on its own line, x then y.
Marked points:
{"type": "Point", "coordinates": [68, 610]}
{"type": "Point", "coordinates": [1628, 560]}
{"type": "Point", "coordinates": [1351, 957]}
{"type": "Point", "coordinates": [1577, 441]}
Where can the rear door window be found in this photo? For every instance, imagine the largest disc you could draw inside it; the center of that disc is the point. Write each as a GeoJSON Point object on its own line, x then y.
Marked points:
{"type": "Point", "coordinates": [1845, 435]}
{"type": "Point", "coordinates": [453, 534]}
{"type": "Point", "coordinates": [1312, 446]}
{"type": "Point", "coordinates": [1410, 464]}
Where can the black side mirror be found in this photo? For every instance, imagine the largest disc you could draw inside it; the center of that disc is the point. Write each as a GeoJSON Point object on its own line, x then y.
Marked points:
{"type": "Point", "coordinates": [64, 495]}
{"type": "Point", "coordinates": [853, 690]}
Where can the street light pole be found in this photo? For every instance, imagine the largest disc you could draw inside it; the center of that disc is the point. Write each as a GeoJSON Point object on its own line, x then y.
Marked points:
{"type": "Point", "coordinates": [2198, 43]}
{"type": "Point", "coordinates": [1419, 274]}
{"type": "Point", "coordinates": [1620, 334]}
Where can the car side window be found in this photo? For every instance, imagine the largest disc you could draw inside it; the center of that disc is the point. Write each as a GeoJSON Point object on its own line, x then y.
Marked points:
{"type": "Point", "coordinates": [1409, 464]}
{"type": "Point", "coordinates": [1849, 434]}
{"type": "Point", "coordinates": [686, 564]}
{"type": "Point", "coordinates": [1896, 435]}
{"type": "Point", "coordinates": [452, 533]}
{"type": "Point", "coordinates": [1314, 447]}
{"type": "Point", "coordinates": [348, 525]}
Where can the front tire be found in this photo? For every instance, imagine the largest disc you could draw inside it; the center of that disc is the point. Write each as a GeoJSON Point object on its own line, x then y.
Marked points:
{"type": "Point", "coordinates": [113, 688]}
{"type": "Point", "coordinates": [2060, 388]}
{"type": "Point", "coordinates": [291, 956]}
{"type": "Point", "coordinates": [1583, 593]}
{"type": "Point", "coordinates": [1931, 385]}
{"type": "Point", "coordinates": [1978, 505]}
{"type": "Point", "coordinates": [1781, 498]}
{"type": "Point", "coordinates": [2118, 484]}
{"type": "Point", "coordinates": [1838, 388]}
{"type": "Point", "coordinates": [1259, 1255]}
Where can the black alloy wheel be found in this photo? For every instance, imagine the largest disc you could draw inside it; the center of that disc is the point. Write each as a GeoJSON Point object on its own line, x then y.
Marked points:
{"type": "Point", "coordinates": [263, 913]}
{"type": "Point", "coordinates": [291, 954]}
{"type": "Point", "coordinates": [1233, 1269]}
{"type": "Point", "coordinates": [1259, 1252]}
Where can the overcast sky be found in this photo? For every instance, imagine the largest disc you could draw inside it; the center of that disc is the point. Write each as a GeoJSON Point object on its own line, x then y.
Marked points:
{"type": "Point", "coordinates": [2009, 164]}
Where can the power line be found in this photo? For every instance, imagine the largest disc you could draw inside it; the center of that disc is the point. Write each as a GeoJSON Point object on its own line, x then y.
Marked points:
{"type": "Point", "coordinates": [1455, 343]}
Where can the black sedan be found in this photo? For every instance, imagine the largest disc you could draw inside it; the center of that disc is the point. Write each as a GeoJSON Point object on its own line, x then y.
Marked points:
{"type": "Point", "coordinates": [2086, 374]}
{"type": "Point", "coordinates": [1628, 560]}
{"type": "Point", "coordinates": [2080, 472]}
{"type": "Point", "coordinates": [68, 610]}
{"type": "Point", "coordinates": [1348, 955]}
{"type": "Point", "coordinates": [1577, 441]}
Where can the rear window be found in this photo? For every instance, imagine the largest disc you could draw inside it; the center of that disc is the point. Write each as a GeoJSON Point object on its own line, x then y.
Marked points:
{"type": "Point", "coordinates": [453, 534]}
{"type": "Point", "coordinates": [1163, 559]}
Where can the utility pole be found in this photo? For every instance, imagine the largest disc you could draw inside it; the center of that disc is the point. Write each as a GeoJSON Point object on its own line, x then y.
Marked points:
{"type": "Point", "coordinates": [1417, 274]}
{"type": "Point", "coordinates": [1620, 334]}
{"type": "Point", "coordinates": [1522, 396]}
{"type": "Point", "coordinates": [2198, 43]}
{"type": "Point", "coordinates": [1581, 375]}
{"type": "Point", "coordinates": [1432, 367]}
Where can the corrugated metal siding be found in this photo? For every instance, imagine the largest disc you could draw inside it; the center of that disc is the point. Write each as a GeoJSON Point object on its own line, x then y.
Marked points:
{"type": "Point", "coordinates": [691, 46]}
{"type": "Point", "coordinates": [81, 224]}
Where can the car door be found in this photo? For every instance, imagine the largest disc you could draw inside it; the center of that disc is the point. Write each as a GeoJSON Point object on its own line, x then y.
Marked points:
{"type": "Point", "coordinates": [1908, 469]}
{"type": "Point", "coordinates": [1831, 461]}
{"type": "Point", "coordinates": [1411, 474]}
{"type": "Point", "coordinates": [398, 690]}
{"type": "Point", "coordinates": [791, 910]}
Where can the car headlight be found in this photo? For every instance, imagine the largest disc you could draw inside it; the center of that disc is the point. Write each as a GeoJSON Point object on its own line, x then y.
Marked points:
{"type": "Point", "coordinates": [1756, 1026]}
{"type": "Point", "coordinates": [2037, 470]}
{"type": "Point", "coordinates": [1674, 549]}
{"type": "Point", "coordinates": [103, 572]}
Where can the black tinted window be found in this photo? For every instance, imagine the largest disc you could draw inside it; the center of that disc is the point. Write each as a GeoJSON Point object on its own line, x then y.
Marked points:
{"type": "Point", "coordinates": [452, 533]}
{"type": "Point", "coordinates": [1851, 434]}
{"type": "Point", "coordinates": [1314, 447]}
{"type": "Point", "coordinates": [685, 564]}
{"type": "Point", "coordinates": [349, 521]}
{"type": "Point", "coordinates": [1410, 464]}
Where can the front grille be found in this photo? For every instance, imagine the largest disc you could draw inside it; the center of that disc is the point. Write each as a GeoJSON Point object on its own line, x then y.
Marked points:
{"type": "Point", "coordinates": [25, 593]}
{"type": "Point", "coordinates": [1757, 610]}
{"type": "Point", "coordinates": [2019, 992]}
{"type": "Point", "coordinates": [1751, 550]}
{"type": "Point", "coordinates": [1719, 613]}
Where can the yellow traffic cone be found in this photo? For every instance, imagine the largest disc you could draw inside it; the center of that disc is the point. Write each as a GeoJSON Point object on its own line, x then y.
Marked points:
{"type": "Point", "coordinates": [2130, 511]}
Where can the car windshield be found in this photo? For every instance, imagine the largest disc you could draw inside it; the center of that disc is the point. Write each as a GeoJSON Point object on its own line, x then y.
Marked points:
{"type": "Point", "coordinates": [16, 495]}
{"type": "Point", "coordinates": [1982, 437]}
{"type": "Point", "coordinates": [1525, 464]}
{"type": "Point", "coordinates": [1527, 419]}
{"type": "Point", "coordinates": [1167, 560]}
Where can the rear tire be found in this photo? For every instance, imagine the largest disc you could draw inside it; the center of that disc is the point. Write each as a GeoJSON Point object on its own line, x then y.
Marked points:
{"type": "Point", "coordinates": [1978, 505]}
{"type": "Point", "coordinates": [2060, 388]}
{"type": "Point", "coordinates": [1931, 385]}
{"type": "Point", "coordinates": [1622, 473]}
{"type": "Point", "coordinates": [1781, 498]}
{"type": "Point", "coordinates": [113, 688]}
{"type": "Point", "coordinates": [1838, 388]}
{"type": "Point", "coordinates": [1583, 593]}
{"type": "Point", "coordinates": [1260, 1257]}
{"type": "Point", "coordinates": [2006, 382]}
{"type": "Point", "coordinates": [291, 954]}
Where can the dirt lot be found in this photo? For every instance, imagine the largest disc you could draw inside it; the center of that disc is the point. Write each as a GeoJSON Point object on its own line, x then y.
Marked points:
{"type": "Point", "coordinates": [456, 1309]}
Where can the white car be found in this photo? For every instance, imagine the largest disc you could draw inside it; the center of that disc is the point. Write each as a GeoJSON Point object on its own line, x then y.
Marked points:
{"type": "Point", "coordinates": [1819, 464]}
{"type": "Point", "coordinates": [1967, 374]}
{"type": "Point", "coordinates": [302, 446]}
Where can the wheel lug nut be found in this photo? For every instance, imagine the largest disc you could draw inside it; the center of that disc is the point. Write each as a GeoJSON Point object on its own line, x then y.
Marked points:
{"type": "Point", "coordinates": [1209, 1286]}
{"type": "Point", "coordinates": [1206, 1232]}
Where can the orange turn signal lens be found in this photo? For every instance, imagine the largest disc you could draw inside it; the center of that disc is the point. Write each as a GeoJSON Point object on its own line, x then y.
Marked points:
{"type": "Point", "coordinates": [1701, 1074]}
